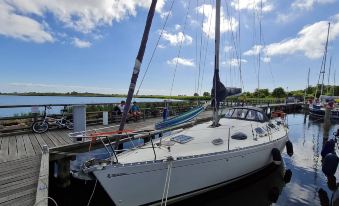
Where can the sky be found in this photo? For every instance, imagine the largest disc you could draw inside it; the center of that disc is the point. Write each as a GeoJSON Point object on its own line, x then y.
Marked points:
{"type": "Point", "coordinates": [91, 45]}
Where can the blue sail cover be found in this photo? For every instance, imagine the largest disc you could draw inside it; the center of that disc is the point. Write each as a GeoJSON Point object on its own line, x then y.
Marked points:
{"type": "Point", "coordinates": [180, 119]}
{"type": "Point", "coordinates": [221, 91]}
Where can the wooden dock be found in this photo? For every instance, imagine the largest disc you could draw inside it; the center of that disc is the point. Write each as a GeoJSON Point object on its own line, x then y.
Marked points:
{"type": "Point", "coordinates": [24, 166]}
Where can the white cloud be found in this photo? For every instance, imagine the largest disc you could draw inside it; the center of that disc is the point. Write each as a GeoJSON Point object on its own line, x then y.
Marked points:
{"type": "Point", "coordinates": [176, 39]}
{"type": "Point", "coordinates": [233, 62]}
{"type": "Point", "coordinates": [81, 15]}
{"type": "Point", "coordinates": [177, 27]}
{"type": "Point", "coordinates": [228, 48]}
{"type": "Point", "coordinates": [161, 46]}
{"type": "Point", "coordinates": [165, 14]}
{"type": "Point", "coordinates": [21, 27]}
{"type": "Point", "coordinates": [252, 5]}
{"type": "Point", "coordinates": [209, 20]}
{"type": "Point", "coordinates": [310, 41]}
{"type": "Point", "coordinates": [300, 5]}
{"type": "Point", "coordinates": [254, 51]}
{"type": "Point", "coordinates": [81, 44]}
{"type": "Point", "coordinates": [266, 59]}
{"type": "Point", "coordinates": [309, 4]}
{"type": "Point", "coordinates": [289, 17]}
{"type": "Point", "coordinates": [181, 61]}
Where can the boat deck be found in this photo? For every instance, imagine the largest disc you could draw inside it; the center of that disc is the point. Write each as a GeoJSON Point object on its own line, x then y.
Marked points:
{"type": "Point", "coordinates": [202, 136]}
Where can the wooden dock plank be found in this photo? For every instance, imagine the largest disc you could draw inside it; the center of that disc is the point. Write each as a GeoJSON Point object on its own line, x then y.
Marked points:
{"type": "Point", "coordinates": [28, 145]}
{"type": "Point", "coordinates": [26, 200]}
{"type": "Point", "coordinates": [20, 146]}
{"type": "Point", "coordinates": [4, 149]}
{"type": "Point", "coordinates": [46, 139]}
{"type": "Point", "coordinates": [64, 135]}
{"type": "Point", "coordinates": [18, 180]}
{"type": "Point", "coordinates": [40, 140]}
{"type": "Point", "coordinates": [12, 167]}
{"type": "Point", "coordinates": [12, 152]}
{"type": "Point", "coordinates": [35, 144]}
{"type": "Point", "coordinates": [28, 190]}
{"type": "Point", "coordinates": [55, 140]}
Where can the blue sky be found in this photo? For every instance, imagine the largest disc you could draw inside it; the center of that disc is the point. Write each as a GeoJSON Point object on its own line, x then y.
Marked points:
{"type": "Point", "coordinates": [91, 45]}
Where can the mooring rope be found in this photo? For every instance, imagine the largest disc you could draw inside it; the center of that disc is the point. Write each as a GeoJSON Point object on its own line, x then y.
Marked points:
{"type": "Point", "coordinates": [167, 183]}
{"type": "Point", "coordinates": [90, 198]}
{"type": "Point", "coordinates": [38, 202]}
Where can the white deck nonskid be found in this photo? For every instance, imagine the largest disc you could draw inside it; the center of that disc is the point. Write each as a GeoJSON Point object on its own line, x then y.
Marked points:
{"type": "Point", "coordinates": [203, 135]}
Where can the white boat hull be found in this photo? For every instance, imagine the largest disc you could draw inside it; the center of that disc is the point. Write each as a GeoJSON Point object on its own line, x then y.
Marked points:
{"type": "Point", "coordinates": [143, 183]}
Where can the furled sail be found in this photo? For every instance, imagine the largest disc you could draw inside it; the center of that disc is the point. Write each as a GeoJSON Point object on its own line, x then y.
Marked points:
{"type": "Point", "coordinates": [221, 91]}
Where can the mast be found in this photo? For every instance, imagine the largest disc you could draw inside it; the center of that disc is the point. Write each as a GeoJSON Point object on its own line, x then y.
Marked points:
{"type": "Point", "coordinates": [137, 65]}
{"type": "Point", "coordinates": [328, 76]}
{"type": "Point", "coordinates": [216, 63]}
{"type": "Point", "coordinates": [325, 56]}
{"type": "Point", "coordinates": [333, 82]}
{"type": "Point", "coordinates": [308, 84]}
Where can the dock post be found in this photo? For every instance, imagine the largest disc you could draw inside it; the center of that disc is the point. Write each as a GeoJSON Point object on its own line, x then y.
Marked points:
{"type": "Point", "coordinates": [105, 118]}
{"type": "Point", "coordinates": [42, 188]}
{"type": "Point", "coordinates": [79, 118]}
{"type": "Point", "coordinates": [63, 170]}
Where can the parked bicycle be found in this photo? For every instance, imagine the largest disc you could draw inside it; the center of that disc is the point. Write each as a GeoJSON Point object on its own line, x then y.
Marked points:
{"type": "Point", "coordinates": [42, 125]}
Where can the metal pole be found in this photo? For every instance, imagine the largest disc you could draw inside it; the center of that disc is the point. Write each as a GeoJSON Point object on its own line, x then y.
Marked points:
{"type": "Point", "coordinates": [325, 56]}
{"type": "Point", "coordinates": [308, 84]}
{"type": "Point", "coordinates": [216, 61]}
{"type": "Point", "coordinates": [229, 135]}
{"type": "Point", "coordinates": [137, 65]}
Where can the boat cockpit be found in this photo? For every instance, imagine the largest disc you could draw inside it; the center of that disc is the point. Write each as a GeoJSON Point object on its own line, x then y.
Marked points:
{"type": "Point", "coordinates": [247, 113]}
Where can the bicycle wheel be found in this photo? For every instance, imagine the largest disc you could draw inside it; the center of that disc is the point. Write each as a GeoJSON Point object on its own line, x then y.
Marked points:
{"type": "Point", "coordinates": [69, 124]}
{"type": "Point", "coordinates": [40, 126]}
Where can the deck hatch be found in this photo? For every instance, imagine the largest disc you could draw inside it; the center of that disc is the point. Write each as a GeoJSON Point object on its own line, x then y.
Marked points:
{"type": "Point", "coordinates": [182, 139]}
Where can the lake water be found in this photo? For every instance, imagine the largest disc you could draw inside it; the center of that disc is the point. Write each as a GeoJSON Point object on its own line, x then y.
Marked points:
{"type": "Point", "coordinates": [258, 189]}
{"type": "Point", "coordinates": [42, 100]}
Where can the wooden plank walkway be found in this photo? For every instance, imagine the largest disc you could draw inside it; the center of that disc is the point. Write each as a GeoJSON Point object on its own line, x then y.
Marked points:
{"type": "Point", "coordinates": [18, 181]}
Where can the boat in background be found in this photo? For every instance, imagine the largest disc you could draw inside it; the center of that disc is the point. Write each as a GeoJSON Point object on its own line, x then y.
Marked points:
{"type": "Point", "coordinates": [317, 109]}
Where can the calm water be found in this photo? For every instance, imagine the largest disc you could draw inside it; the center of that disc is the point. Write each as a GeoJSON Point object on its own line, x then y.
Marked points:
{"type": "Point", "coordinates": [258, 189]}
{"type": "Point", "coordinates": [41, 100]}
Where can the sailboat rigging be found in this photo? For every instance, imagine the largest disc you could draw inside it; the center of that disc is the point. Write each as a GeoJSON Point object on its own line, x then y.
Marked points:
{"type": "Point", "coordinates": [317, 108]}
{"type": "Point", "coordinates": [188, 161]}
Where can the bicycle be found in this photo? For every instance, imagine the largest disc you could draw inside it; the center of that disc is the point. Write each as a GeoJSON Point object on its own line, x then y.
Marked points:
{"type": "Point", "coordinates": [41, 126]}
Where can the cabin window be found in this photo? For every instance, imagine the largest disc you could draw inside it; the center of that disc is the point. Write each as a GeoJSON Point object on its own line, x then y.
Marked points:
{"type": "Point", "coordinates": [236, 113]}
{"type": "Point", "coordinates": [260, 116]}
{"type": "Point", "coordinates": [239, 113]}
{"type": "Point", "coordinates": [251, 115]}
{"type": "Point", "coordinates": [229, 113]}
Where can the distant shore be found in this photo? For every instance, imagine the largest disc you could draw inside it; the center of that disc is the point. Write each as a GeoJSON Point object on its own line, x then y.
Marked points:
{"type": "Point", "coordinates": [85, 94]}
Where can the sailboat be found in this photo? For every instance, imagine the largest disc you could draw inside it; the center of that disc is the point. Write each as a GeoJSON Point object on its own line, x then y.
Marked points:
{"type": "Point", "coordinates": [317, 108]}
{"type": "Point", "coordinates": [190, 161]}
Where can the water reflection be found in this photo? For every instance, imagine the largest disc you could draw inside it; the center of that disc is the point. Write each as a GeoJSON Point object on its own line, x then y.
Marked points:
{"type": "Point", "coordinates": [262, 188]}
{"type": "Point", "coordinates": [308, 139]}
